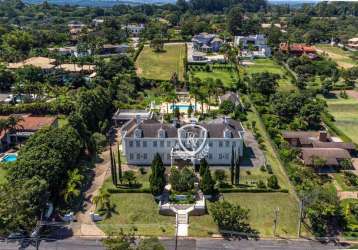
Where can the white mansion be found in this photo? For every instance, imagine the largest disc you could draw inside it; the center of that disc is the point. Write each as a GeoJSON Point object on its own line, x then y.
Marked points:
{"type": "Point", "coordinates": [142, 139]}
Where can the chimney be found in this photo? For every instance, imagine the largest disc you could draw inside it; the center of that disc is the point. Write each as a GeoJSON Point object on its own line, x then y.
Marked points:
{"type": "Point", "coordinates": [323, 136]}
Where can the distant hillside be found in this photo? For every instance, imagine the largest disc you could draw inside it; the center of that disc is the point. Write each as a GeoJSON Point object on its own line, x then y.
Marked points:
{"type": "Point", "coordinates": [109, 3]}
{"type": "Point", "coordinates": [102, 3]}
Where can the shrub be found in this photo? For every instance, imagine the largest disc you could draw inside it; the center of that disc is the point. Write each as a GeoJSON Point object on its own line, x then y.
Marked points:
{"type": "Point", "coordinates": [261, 184]}
{"type": "Point", "coordinates": [272, 182]}
{"type": "Point", "coordinates": [269, 169]}
{"type": "Point", "coordinates": [100, 141]}
{"type": "Point", "coordinates": [220, 175]}
{"type": "Point", "coordinates": [142, 170]}
{"type": "Point", "coordinates": [262, 168]}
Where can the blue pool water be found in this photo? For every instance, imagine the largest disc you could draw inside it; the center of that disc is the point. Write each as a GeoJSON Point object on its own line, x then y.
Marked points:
{"type": "Point", "coordinates": [9, 158]}
{"type": "Point", "coordinates": [181, 107]}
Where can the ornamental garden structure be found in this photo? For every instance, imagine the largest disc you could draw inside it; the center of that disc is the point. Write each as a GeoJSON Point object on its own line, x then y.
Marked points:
{"type": "Point", "coordinates": [215, 140]}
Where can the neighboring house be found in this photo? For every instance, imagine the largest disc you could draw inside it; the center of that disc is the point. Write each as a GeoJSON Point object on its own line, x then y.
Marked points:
{"type": "Point", "coordinates": [76, 68]}
{"type": "Point", "coordinates": [331, 157]}
{"type": "Point", "coordinates": [97, 21]}
{"type": "Point", "coordinates": [142, 139]}
{"type": "Point", "coordinates": [111, 49]}
{"type": "Point", "coordinates": [319, 144]}
{"type": "Point", "coordinates": [124, 115]}
{"type": "Point", "coordinates": [253, 46]}
{"type": "Point", "coordinates": [134, 29]}
{"type": "Point", "coordinates": [70, 51]}
{"type": "Point", "coordinates": [205, 42]}
{"type": "Point", "coordinates": [25, 128]}
{"type": "Point", "coordinates": [76, 27]}
{"type": "Point", "coordinates": [199, 56]}
{"type": "Point", "coordinates": [41, 62]}
{"type": "Point", "coordinates": [299, 49]}
{"type": "Point", "coordinates": [353, 43]}
{"type": "Point", "coordinates": [230, 96]}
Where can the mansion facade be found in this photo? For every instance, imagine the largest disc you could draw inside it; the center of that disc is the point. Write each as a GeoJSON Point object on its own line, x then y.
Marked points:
{"type": "Point", "coordinates": [143, 139]}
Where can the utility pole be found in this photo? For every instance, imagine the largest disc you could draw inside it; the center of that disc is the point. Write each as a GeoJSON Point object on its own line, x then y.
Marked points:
{"type": "Point", "coordinates": [277, 211]}
{"type": "Point", "coordinates": [300, 218]}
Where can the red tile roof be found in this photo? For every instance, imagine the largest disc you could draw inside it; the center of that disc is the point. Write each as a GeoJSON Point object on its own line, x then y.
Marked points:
{"type": "Point", "coordinates": [31, 123]}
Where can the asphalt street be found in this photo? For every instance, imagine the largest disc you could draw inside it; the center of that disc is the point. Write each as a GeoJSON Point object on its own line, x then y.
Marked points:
{"type": "Point", "coordinates": [187, 244]}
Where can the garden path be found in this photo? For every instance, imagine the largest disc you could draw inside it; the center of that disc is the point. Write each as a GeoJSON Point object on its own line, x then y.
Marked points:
{"type": "Point", "coordinates": [84, 225]}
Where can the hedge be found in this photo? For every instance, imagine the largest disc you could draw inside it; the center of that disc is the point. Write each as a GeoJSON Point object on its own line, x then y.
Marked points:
{"type": "Point", "coordinates": [118, 190]}
{"type": "Point", "coordinates": [37, 108]}
{"type": "Point", "coordinates": [139, 50]}
{"type": "Point", "coordinates": [253, 190]}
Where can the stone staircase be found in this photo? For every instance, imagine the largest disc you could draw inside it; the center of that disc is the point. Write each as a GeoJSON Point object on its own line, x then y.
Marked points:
{"type": "Point", "coordinates": [182, 218]}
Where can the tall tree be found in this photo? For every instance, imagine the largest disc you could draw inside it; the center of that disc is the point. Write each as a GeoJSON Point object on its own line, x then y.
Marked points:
{"type": "Point", "coordinates": [232, 166]}
{"type": "Point", "coordinates": [203, 167]}
{"type": "Point", "coordinates": [119, 164]}
{"type": "Point", "coordinates": [207, 183]}
{"type": "Point", "coordinates": [157, 177]}
{"type": "Point", "coordinates": [235, 20]}
{"type": "Point", "coordinates": [237, 169]}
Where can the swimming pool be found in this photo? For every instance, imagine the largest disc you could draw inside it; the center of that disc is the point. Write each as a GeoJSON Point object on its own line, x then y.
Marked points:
{"type": "Point", "coordinates": [9, 158]}
{"type": "Point", "coordinates": [181, 107]}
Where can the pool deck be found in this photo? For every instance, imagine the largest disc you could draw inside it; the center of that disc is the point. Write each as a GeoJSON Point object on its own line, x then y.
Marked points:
{"type": "Point", "coordinates": [167, 107]}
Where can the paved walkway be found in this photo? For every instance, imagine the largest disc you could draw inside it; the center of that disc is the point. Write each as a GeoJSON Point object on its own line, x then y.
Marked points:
{"type": "Point", "coordinates": [84, 225]}
{"type": "Point", "coordinates": [342, 195]}
{"type": "Point", "coordinates": [256, 157]}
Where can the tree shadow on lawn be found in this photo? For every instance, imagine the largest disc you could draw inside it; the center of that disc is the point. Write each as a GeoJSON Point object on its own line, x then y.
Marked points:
{"type": "Point", "coordinates": [247, 233]}
{"type": "Point", "coordinates": [133, 186]}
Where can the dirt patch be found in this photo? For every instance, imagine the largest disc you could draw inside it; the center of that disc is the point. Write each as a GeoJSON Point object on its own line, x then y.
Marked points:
{"type": "Point", "coordinates": [352, 93]}
{"type": "Point", "coordinates": [337, 58]}
{"type": "Point", "coordinates": [139, 70]}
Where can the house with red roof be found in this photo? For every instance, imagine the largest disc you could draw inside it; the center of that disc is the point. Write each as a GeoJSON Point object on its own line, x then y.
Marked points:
{"type": "Point", "coordinates": [27, 126]}
{"type": "Point", "coordinates": [299, 49]}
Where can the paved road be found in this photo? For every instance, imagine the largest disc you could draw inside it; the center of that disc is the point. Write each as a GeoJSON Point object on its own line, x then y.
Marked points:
{"type": "Point", "coordinates": [188, 244]}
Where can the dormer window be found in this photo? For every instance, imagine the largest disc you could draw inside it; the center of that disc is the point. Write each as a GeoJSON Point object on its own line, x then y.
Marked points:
{"type": "Point", "coordinates": [161, 133]}
{"type": "Point", "coordinates": [138, 133]}
{"type": "Point", "coordinates": [227, 133]}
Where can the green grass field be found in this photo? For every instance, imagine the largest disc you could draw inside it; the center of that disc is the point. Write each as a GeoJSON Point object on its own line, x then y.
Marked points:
{"type": "Point", "coordinates": [138, 211]}
{"type": "Point", "coordinates": [340, 56]}
{"type": "Point", "coordinates": [261, 215]}
{"type": "Point", "coordinates": [345, 112]}
{"type": "Point", "coordinates": [161, 66]}
{"type": "Point", "coordinates": [2, 175]}
{"type": "Point", "coordinates": [228, 77]}
{"type": "Point", "coordinates": [340, 179]}
{"type": "Point", "coordinates": [268, 65]}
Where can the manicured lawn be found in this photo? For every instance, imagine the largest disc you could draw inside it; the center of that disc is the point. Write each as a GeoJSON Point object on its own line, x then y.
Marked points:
{"type": "Point", "coordinates": [161, 66]}
{"type": "Point", "coordinates": [247, 175]}
{"type": "Point", "coordinates": [141, 212]}
{"type": "Point", "coordinates": [268, 65]}
{"type": "Point", "coordinates": [345, 112]}
{"type": "Point", "coordinates": [340, 179]}
{"type": "Point", "coordinates": [340, 56]}
{"type": "Point", "coordinates": [142, 179]}
{"type": "Point", "coordinates": [261, 216]}
{"type": "Point", "coordinates": [226, 76]}
{"type": "Point", "coordinates": [2, 175]}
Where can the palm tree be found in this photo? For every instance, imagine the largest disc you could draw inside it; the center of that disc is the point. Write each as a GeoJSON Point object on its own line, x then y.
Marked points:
{"type": "Point", "coordinates": [165, 88]}
{"type": "Point", "coordinates": [71, 192]}
{"type": "Point", "coordinates": [13, 125]}
{"type": "Point", "coordinates": [194, 90]}
{"type": "Point", "coordinates": [101, 198]}
{"type": "Point", "coordinates": [75, 177]}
